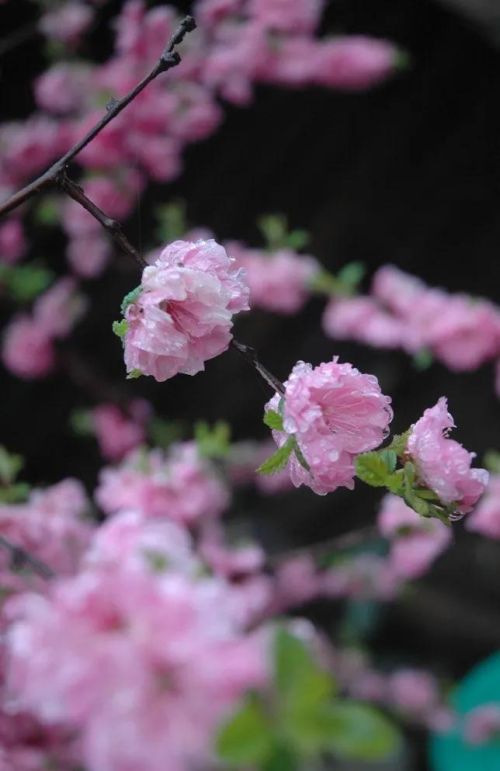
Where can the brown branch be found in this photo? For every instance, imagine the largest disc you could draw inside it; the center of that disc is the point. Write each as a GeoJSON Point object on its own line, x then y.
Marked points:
{"type": "Point", "coordinates": [20, 558]}
{"type": "Point", "coordinates": [112, 226]}
{"type": "Point", "coordinates": [167, 60]}
{"type": "Point", "coordinates": [251, 356]}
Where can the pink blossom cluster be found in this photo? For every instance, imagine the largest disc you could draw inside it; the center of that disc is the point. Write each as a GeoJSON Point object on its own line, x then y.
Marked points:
{"type": "Point", "coordinates": [183, 313]}
{"type": "Point", "coordinates": [237, 44]}
{"type": "Point", "coordinates": [443, 464]}
{"type": "Point", "coordinates": [333, 412]}
{"type": "Point", "coordinates": [12, 241]}
{"type": "Point", "coordinates": [279, 280]}
{"type": "Point", "coordinates": [461, 331]}
{"type": "Point", "coordinates": [28, 347]}
{"type": "Point", "coordinates": [118, 433]}
{"type": "Point", "coordinates": [135, 654]}
{"type": "Point", "coordinates": [180, 486]}
{"type": "Point", "coordinates": [51, 524]}
{"type": "Point", "coordinates": [415, 542]}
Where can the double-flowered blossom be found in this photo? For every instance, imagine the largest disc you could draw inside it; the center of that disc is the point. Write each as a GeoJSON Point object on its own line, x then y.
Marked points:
{"type": "Point", "coordinates": [183, 314]}
{"type": "Point", "coordinates": [333, 412]}
{"type": "Point", "coordinates": [141, 663]}
{"type": "Point", "coordinates": [415, 541]}
{"type": "Point", "coordinates": [443, 464]}
{"type": "Point", "coordinates": [118, 433]}
{"type": "Point", "coordinates": [181, 487]}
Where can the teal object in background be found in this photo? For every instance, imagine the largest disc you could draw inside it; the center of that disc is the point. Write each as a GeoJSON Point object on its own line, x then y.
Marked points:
{"type": "Point", "coordinates": [449, 752]}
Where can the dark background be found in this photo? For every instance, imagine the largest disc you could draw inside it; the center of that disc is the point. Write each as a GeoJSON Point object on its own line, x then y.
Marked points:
{"type": "Point", "coordinates": [407, 173]}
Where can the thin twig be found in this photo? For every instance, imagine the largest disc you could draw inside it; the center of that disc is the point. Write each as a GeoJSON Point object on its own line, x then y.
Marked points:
{"type": "Point", "coordinates": [112, 226]}
{"type": "Point", "coordinates": [338, 543]}
{"type": "Point", "coordinates": [167, 60]}
{"type": "Point", "coordinates": [20, 557]}
{"type": "Point", "coordinates": [251, 356]}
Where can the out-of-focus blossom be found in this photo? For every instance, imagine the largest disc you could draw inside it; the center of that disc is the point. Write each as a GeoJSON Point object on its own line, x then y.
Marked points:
{"type": "Point", "coordinates": [183, 314]}
{"type": "Point", "coordinates": [67, 23]}
{"type": "Point", "coordinates": [57, 309]}
{"type": "Point", "coordinates": [415, 541]}
{"type": "Point", "coordinates": [482, 724]}
{"type": "Point", "coordinates": [354, 63]}
{"type": "Point", "coordinates": [443, 464]}
{"type": "Point", "coordinates": [12, 241]}
{"type": "Point", "coordinates": [181, 487]}
{"type": "Point", "coordinates": [333, 412]}
{"type": "Point", "coordinates": [61, 88]}
{"type": "Point", "coordinates": [27, 349]}
{"type": "Point", "coordinates": [119, 433]}
{"type": "Point", "coordinates": [360, 318]}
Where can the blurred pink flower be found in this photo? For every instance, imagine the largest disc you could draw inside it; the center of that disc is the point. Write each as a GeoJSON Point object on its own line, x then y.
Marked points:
{"type": "Point", "coordinates": [485, 518]}
{"type": "Point", "coordinates": [354, 63]}
{"type": "Point", "coordinates": [27, 349]}
{"type": "Point", "coordinates": [12, 241]}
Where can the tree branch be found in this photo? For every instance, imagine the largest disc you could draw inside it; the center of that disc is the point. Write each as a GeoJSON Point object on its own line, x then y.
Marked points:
{"type": "Point", "coordinates": [20, 557]}
{"type": "Point", "coordinates": [251, 356]}
{"type": "Point", "coordinates": [167, 60]}
{"type": "Point", "coordinates": [112, 226]}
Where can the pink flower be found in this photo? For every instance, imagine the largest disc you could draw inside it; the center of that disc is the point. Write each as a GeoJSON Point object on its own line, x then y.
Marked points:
{"type": "Point", "coordinates": [50, 525]}
{"type": "Point", "coordinates": [59, 90]}
{"type": "Point", "coordinates": [56, 310]}
{"type": "Point", "coordinates": [278, 281]}
{"type": "Point", "coordinates": [226, 561]}
{"type": "Point", "coordinates": [485, 518]}
{"type": "Point", "coordinates": [88, 255]}
{"type": "Point", "coordinates": [67, 23]}
{"type": "Point", "coordinates": [334, 412]}
{"type": "Point", "coordinates": [143, 664]}
{"type": "Point", "coordinates": [354, 63]}
{"type": "Point", "coordinates": [12, 241]}
{"type": "Point", "coordinates": [443, 464]}
{"type": "Point", "coordinates": [413, 691]}
{"type": "Point", "coordinates": [181, 487]}
{"type": "Point", "coordinates": [183, 315]}
{"type": "Point", "coordinates": [415, 541]}
{"type": "Point", "coordinates": [482, 724]}
{"type": "Point", "coordinates": [27, 349]}
{"type": "Point", "coordinates": [360, 318]}
{"type": "Point", "coordinates": [116, 432]}
{"type": "Point", "coordinates": [287, 15]}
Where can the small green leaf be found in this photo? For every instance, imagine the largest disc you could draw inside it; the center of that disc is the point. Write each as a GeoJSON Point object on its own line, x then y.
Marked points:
{"type": "Point", "coordinates": [390, 459]}
{"type": "Point", "coordinates": [130, 298]}
{"type": "Point", "coordinates": [246, 738]}
{"type": "Point", "coordinates": [279, 459]}
{"type": "Point", "coordinates": [300, 681]}
{"type": "Point", "coordinates": [372, 469]}
{"type": "Point", "coordinates": [10, 466]}
{"type": "Point", "coordinates": [417, 504]}
{"type": "Point", "coordinates": [172, 223]}
{"type": "Point", "coordinates": [15, 493]}
{"type": "Point", "coordinates": [351, 275]}
{"type": "Point", "coordinates": [281, 758]}
{"type": "Point", "coordinates": [134, 374]}
{"type": "Point", "coordinates": [492, 461]}
{"type": "Point", "coordinates": [157, 561]}
{"type": "Point", "coordinates": [274, 228]}
{"type": "Point", "coordinates": [164, 432]}
{"type": "Point", "coordinates": [25, 282]}
{"type": "Point", "coordinates": [47, 212]}
{"type": "Point", "coordinates": [423, 359]}
{"type": "Point", "coordinates": [120, 328]}
{"type": "Point", "coordinates": [297, 240]}
{"type": "Point", "coordinates": [81, 422]}
{"type": "Point", "coordinates": [273, 420]}
{"type": "Point", "coordinates": [361, 732]}
{"type": "Point", "coordinates": [213, 441]}
{"type": "Point", "coordinates": [399, 443]}
{"type": "Point", "coordinates": [409, 475]}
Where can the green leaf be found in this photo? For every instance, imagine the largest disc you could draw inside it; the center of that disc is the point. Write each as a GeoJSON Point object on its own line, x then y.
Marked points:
{"type": "Point", "coordinates": [417, 504]}
{"type": "Point", "coordinates": [81, 422]}
{"type": "Point", "coordinates": [273, 420]}
{"type": "Point", "coordinates": [134, 374]}
{"type": "Point", "coordinates": [213, 442]}
{"type": "Point", "coordinates": [47, 212]}
{"type": "Point", "coordinates": [15, 493]}
{"type": "Point", "coordinates": [361, 732]}
{"type": "Point", "coordinates": [390, 459]}
{"type": "Point", "coordinates": [351, 275]}
{"type": "Point", "coordinates": [171, 218]}
{"type": "Point", "coordinates": [325, 282]}
{"type": "Point", "coordinates": [281, 758]}
{"type": "Point", "coordinates": [164, 432]}
{"type": "Point", "coordinates": [274, 228]}
{"type": "Point", "coordinates": [492, 461]}
{"type": "Point", "coordinates": [371, 468]}
{"type": "Point", "coordinates": [423, 359]}
{"type": "Point", "coordinates": [399, 443]}
{"type": "Point", "coordinates": [120, 328]}
{"type": "Point", "coordinates": [24, 282]}
{"type": "Point", "coordinates": [279, 459]}
{"type": "Point", "coordinates": [300, 681]}
{"type": "Point", "coordinates": [10, 466]}
{"type": "Point", "coordinates": [246, 738]}
{"type": "Point", "coordinates": [297, 240]}
{"type": "Point", "coordinates": [130, 298]}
